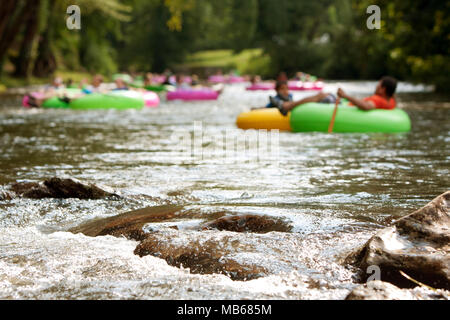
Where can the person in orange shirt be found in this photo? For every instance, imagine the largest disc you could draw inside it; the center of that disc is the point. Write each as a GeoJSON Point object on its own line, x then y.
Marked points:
{"type": "Point", "coordinates": [382, 99]}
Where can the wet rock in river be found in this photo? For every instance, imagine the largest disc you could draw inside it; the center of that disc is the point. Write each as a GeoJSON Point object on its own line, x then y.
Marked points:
{"type": "Point", "coordinates": [59, 188]}
{"type": "Point", "coordinates": [128, 224]}
{"type": "Point", "coordinates": [23, 189]}
{"type": "Point", "coordinates": [5, 195]}
{"type": "Point", "coordinates": [417, 244]}
{"type": "Point", "coordinates": [248, 223]}
{"type": "Point", "coordinates": [200, 253]}
{"type": "Point", "coordinates": [204, 256]}
{"type": "Point", "coordinates": [208, 257]}
{"type": "Point", "coordinates": [379, 290]}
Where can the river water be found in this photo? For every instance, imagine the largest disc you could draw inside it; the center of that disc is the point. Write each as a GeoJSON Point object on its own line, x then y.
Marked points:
{"type": "Point", "coordinates": [333, 190]}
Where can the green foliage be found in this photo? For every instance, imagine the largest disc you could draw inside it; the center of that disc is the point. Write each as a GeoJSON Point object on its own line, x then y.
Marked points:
{"type": "Point", "coordinates": [249, 61]}
{"type": "Point", "coordinates": [176, 8]}
{"type": "Point", "coordinates": [244, 16]}
{"type": "Point", "coordinates": [328, 38]}
{"type": "Point", "coordinates": [114, 9]}
{"type": "Point", "coordinates": [419, 33]}
{"type": "Point", "coordinates": [150, 43]}
{"type": "Point", "coordinates": [96, 53]}
{"type": "Point", "coordinates": [290, 32]}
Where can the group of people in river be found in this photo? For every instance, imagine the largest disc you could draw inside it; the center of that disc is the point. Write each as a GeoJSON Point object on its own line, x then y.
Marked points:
{"type": "Point", "coordinates": [383, 97]}
{"type": "Point", "coordinates": [121, 82]}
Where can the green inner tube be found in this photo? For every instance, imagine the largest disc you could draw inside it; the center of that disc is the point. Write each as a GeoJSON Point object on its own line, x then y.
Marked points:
{"type": "Point", "coordinates": [317, 116]}
{"type": "Point", "coordinates": [113, 100]}
{"type": "Point", "coordinates": [57, 103]}
{"type": "Point", "coordinates": [119, 100]}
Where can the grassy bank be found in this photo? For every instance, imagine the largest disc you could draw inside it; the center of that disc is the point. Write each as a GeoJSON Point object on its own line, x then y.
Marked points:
{"type": "Point", "coordinates": [249, 61]}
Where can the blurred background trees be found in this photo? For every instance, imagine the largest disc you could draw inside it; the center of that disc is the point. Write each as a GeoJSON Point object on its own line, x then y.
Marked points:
{"type": "Point", "coordinates": [323, 37]}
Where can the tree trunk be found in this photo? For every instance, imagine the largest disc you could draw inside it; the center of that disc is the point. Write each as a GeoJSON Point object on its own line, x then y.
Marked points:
{"type": "Point", "coordinates": [22, 62]}
{"type": "Point", "coordinates": [12, 24]}
{"type": "Point", "coordinates": [45, 63]}
{"type": "Point", "coordinates": [7, 8]}
{"type": "Point", "coordinates": [12, 28]}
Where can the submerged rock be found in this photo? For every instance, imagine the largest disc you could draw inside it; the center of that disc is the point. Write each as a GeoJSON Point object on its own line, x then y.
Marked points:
{"type": "Point", "coordinates": [248, 223]}
{"type": "Point", "coordinates": [208, 257]}
{"type": "Point", "coordinates": [59, 188]}
{"type": "Point", "coordinates": [379, 290]}
{"type": "Point", "coordinates": [417, 244]}
{"type": "Point", "coordinates": [128, 224]}
{"type": "Point", "coordinates": [201, 254]}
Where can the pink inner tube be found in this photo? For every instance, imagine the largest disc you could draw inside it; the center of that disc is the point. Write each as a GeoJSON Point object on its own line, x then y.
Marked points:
{"type": "Point", "coordinates": [299, 85]}
{"type": "Point", "coordinates": [25, 102]}
{"type": "Point", "coordinates": [235, 79]}
{"type": "Point", "coordinates": [37, 95]}
{"type": "Point", "coordinates": [261, 86]}
{"type": "Point", "coordinates": [216, 79]}
{"type": "Point", "coordinates": [195, 94]}
{"type": "Point", "coordinates": [151, 99]}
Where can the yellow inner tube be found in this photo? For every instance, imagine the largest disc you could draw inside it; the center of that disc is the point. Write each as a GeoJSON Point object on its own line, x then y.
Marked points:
{"type": "Point", "coordinates": [266, 118]}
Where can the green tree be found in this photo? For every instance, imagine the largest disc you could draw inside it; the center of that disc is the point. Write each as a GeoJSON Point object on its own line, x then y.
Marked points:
{"type": "Point", "coordinates": [419, 33]}
{"type": "Point", "coordinates": [43, 21]}
{"type": "Point", "coordinates": [290, 32]}
{"type": "Point", "coordinates": [150, 43]}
